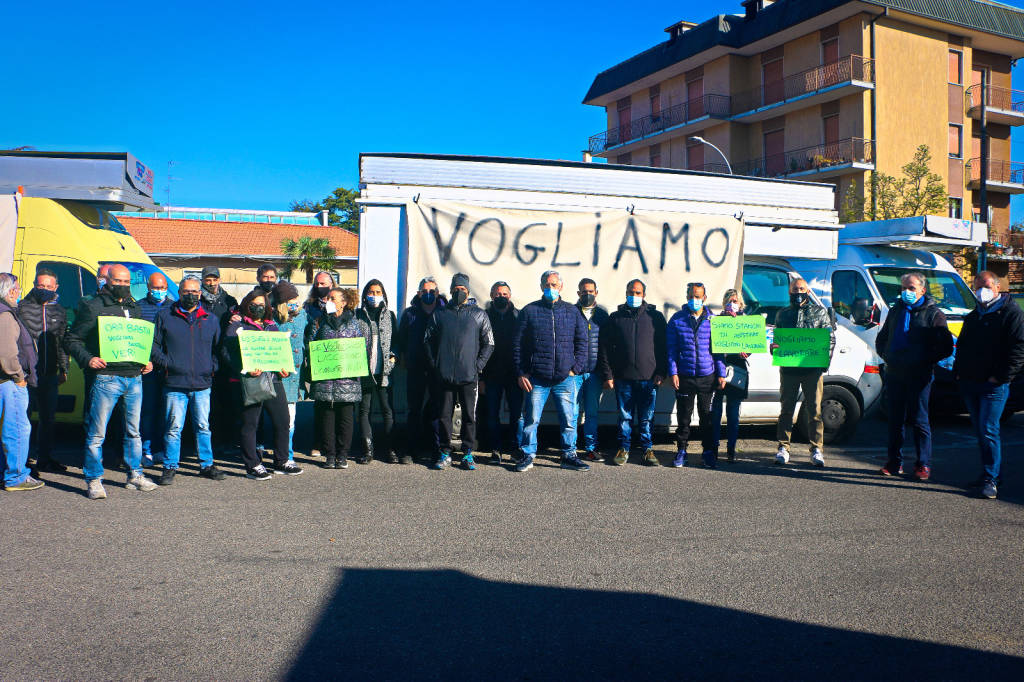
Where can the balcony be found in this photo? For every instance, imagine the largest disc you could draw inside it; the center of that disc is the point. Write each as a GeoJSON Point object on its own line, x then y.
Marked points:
{"type": "Point", "coordinates": [817, 162]}
{"type": "Point", "coordinates": [807, 88]}
{"type": "Point", "coordinates": [1003, 176]}
{"type": "Point", "coordinates": [682, 118]}
{"type": "Point", "coordinates": [1002, 106]}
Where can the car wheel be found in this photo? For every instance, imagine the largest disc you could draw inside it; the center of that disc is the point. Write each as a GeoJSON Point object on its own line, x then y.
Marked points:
{"type": "Point", "coordinates": [840, 413]}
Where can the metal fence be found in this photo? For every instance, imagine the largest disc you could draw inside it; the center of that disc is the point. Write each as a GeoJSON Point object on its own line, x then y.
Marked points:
{"type": "Point", "coordinates": [818, 157]}
{"type": "Point", "coordinates": [998, 171]}
{"type": "Point", "coordinates": [852, 68]}
{"type": "Point", "coordinates": [996, 98]}
{"type": "Point", "coordinates": [709, 105]}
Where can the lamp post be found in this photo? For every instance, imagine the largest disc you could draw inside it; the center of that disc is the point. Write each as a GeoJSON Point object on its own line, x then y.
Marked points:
{"type": "Point", "coordinates": [697, 138]}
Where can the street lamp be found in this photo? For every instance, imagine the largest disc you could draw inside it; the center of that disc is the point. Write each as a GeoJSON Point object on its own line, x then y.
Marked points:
{"type": "Point", "coordinates": [697, 138]}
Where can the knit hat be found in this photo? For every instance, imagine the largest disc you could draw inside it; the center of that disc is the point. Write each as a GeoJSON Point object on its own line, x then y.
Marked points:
{"type": "Point", "coordinates": [459, 280]}
{"type": "Point", "coordinates": [284, 291]}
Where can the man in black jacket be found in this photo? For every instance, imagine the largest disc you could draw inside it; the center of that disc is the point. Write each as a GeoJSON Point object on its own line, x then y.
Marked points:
{"type": "Point", "coordinates": [913, 338]}
{"type": "Point", "coordinates": [419, 383]}
{"type": "Point", "coordinates": [633, 361]}
{"type": "Point", "coordinates": [223, 401]}
{"type": "Point", "coordinates": [989, 354]}
{"type": "Point", "coordinates": [500, 378]}
{"type": "Point", "coordinates": [113, 381]}
{"type": "Point", "coordinates": [458, 343]}
{"type": "Point", "coordinates": [588, 398]}
{"type": "Point", "coordinates": [47, 321]}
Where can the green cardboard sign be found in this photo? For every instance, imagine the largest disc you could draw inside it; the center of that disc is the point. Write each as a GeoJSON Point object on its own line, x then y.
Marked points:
{"type": "Point", "coordinates": [266, 351]}
{"type": "Point", "coordinates": [338, 359]}
{"type": "Point", "coordinates": [802, 348]}
{"type": "Point", "coordinates": [740, 334]}
{"type": "Point", "coordinates": [125, 339]}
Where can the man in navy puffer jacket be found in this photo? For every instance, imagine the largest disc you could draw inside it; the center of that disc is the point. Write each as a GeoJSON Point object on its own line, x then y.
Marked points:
{"type": "Point", "coordinates": [695, 372]}
{"type": "Point", "coordinates": [549, 351]}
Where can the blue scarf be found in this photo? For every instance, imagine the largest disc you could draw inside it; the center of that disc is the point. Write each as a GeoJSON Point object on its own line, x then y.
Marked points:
{"type": "Point", "coordinates": [901, 332]}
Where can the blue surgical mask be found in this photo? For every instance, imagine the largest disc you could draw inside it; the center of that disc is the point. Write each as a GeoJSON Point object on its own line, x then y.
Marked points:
{"type": "Point", "coordinates": [293, 307]}
{"type": "Point", "coordinates": [696, 304]}
{"type": "Point", "coordinates": [551, 294]}
{"type": "Point", "coordinates": [909, 296]}
{"type": "Point", "coordinates": [374, 301]}
{"type": "Point", "coordinates": [101, 282]}
{"type": "Point", "coordinates": [158, 294]}
{"type": "Point", "coordinates": [634, 301]}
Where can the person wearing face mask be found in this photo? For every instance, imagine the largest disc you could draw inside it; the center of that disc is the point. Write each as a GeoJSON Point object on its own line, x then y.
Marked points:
{"type": "Point", "coordinates": [913, 338]}
{"type": "Point", "coordinates": [696, 373]}
{"type": "Point", "coordinates": [17, 372]}
{"type": "Point", "coordinates": [223, 405]}
{"type": "Point", "coordinates": [731, 396]}
{"type": "Point", "coordinates": [266, 279]}
{"type": "Point", "coordinates": [46, 321]}
{"type": "Point", "coordinates": [802, 313]}
{"type": "Point", "coordinates": [632, 362]}
{"type": "Point", "coordinates": [152, 423]}
{"type": "Point", "coordinates": [381, 322]}
{"type": "Point", "coordinates": [102, 276]}
{"type": "Point", "coordinates": [989, 355]}
{"type": "Point", "coordinates": [314, 306]}
{"type": "Point", "coordinates": [291, 319]}
{"type": "Point", "coordinates": [549, 351]}
{"type": "Point", "coordinates": [588, 397]}
{"type": "Point", "coordinates": [336, 399]}
{"type": "Point", "coordinates": [185, 343]}
{"type": "Point", "coordinates": [458, 342]}
{"type": "Point", "coordinates": [253, 312]}
{"type": "Point", "coordinates": [422, 431]}
{"type": "Point", "coordinates": [112, 382]}
{"type": "Point", "coordinates": [500, 380]}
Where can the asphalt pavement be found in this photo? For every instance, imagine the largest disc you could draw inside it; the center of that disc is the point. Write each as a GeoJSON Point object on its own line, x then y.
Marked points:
{"type": "Point", "coordinates": [400, 572]}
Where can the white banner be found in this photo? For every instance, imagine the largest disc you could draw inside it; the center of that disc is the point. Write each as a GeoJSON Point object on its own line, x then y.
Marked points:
{"type": "Point", "coordinates": [665, 250]}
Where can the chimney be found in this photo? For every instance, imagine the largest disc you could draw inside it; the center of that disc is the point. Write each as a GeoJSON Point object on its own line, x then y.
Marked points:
{"type": "Point", "coordinates": [755, 6]}
{"type": "Point", "coordinates": [679, 28]}
{"type": "Point", "coordinates": [587, 156]}
{"type": "Point", "coordinates": [323, 217]}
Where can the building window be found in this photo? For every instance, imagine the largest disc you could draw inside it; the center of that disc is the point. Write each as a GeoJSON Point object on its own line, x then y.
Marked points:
{"type": "Point", "coordinates": [830, 51]}
{"type": "Point", "coordinates": [956, 67]}
{"type": "Point", "coordinates": [695, 155]}
{"type": "Point", "coordinates": [655, 99]}
{"type": "Point", "coordinates": [656, 155]}
{"type": "Point", "coordinates": [956, 207]}
{"type": "Point", "coordinates": [831, 129]}
{"type": "Point", "coordinates": [956, 141]}
{"type": "Point", "coordinates": [624, 159]}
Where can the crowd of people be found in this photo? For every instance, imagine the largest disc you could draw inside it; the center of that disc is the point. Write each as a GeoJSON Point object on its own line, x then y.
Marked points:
{"type": "Point", "coordinates": [455, 352]}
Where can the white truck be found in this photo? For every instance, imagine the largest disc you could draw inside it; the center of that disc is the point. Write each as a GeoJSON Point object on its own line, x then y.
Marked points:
{"type": "Point", "coordinates": [779, 220]}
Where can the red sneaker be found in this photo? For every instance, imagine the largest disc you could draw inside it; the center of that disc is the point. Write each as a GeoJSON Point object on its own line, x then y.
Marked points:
{"type": "Point", "coordinates": [891, 469]}
{"type": "Point", "coordinates": [922, 473]}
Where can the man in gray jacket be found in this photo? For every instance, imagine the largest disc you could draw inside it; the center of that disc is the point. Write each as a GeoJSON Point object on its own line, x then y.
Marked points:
{"type": "Point", "coordinates": [17, 373]}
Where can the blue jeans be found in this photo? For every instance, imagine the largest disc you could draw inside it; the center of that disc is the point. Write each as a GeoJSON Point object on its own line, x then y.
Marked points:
{"type": "Point", "coordinates": [17, 430]}
{"type": "Point", "coordinates": [495, 433]}
{"type": "Point", "coordinates": [636, 401]}
{"type": "Point", "coordinates": [732, 418]}
{"type": "Point", "coordinates": [565, 403]}
{"type": "Point", "coordinates": [106, 391]}
{"type": "Point", "coordinates": [985, 402]}
{"type": "Point", "coordinates": [197, 403]}
{"type": "Point", "coordinates": [907, 404]}
{"type": "Point", "coordinates": [151, 422]}
{"type": "Point", "coordinates": [587, 403]}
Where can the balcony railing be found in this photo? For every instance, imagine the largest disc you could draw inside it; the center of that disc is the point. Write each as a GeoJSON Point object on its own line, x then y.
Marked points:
{"type": "Point", "coordinates": [709, 105]}
{"type": "Point", "coordinates": [852, 68]}
{"type": "Point", "coordinates": [817, 158]}
{"type": "Point", "coordinates": [1007, 172]}
{"type": "Point", "coordinates": [996, 98]}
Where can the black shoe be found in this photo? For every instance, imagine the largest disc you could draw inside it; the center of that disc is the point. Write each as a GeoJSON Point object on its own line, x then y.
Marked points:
{"type": "Point", "coordinates": [167, 477]}
{"type": "Point", "coordinates": [288, 469]}
{"type": "Point", "coordinates": [989, 490]}
{"type": "Point", "coordinates": [405, 459]}
{"type": "Point", "coordinates": [391, 457]}
{"type": "Point", "coordinates": [329, 462]}
{"type": "Point", "coordinates": [575, 464]}
{"type": "Point", "coordinates": [365, 458]}
{"type": "Point", "coordinates": [731, 456]}
{"type": "Point", "coordinates": [341, 462]}
{"type": "Point", "coordinates": [212, 472]}
{"type": "Point", "coordinates": [52, 466]}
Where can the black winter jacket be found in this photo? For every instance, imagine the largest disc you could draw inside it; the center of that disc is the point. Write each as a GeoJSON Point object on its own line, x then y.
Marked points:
{"type": "Point", "coordinates": [219, 306]}
{"type": "Point", "coordinates": [185, 346]}
{"type": "Point", "coordinates": [47, 323]}
{"type": "Point", "coordinates": [459, 342]}
{"type": "Point", "coordinates": [633, 345]}
{"type": "Point", "coordinates": [991, 345]}
{"type": "Point", "coordinates": [928, 339]}
{"type": "Point", "coordinates": [82, 342]}
{"type": "Point", "coordinates": [500, 367]}
{"type": "Point", "coordinates": [412, 326]}
{"type": "Point", "coordinates": [594, 325]}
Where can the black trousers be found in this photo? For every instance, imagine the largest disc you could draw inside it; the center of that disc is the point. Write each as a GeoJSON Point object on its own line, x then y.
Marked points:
{"type": "Point", "coordinates": [336, 424]}
{"type": "Point", "coordinates": [466, 394]}
{"type": "Point", "coordinates": [277, 410]}
{"type": "Point", "coordinates": [225, 400]}
{"type": "Point", "coordinates": [422, 428]}
{"type": "Point", "coordinates": [372, 389]}
{"type": "Point", "coordinates": [701, 390]}
{"type": "Point", "coordinates": [43, 399]}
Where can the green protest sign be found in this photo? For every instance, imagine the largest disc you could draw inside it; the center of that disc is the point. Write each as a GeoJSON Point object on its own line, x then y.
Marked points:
{"type": "Point", "coordinates": [338, 359]}
{"type": "Point", "coordinates": [265, 351]}
{"type": "Point", "coordinates": [740, 334]}
{"type": "Point", "coordinates": [802, 347]}
{"type": "Point", "coordinates": [124, 339]}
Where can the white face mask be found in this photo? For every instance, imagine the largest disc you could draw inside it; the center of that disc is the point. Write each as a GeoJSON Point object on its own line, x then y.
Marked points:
{"type": "Point", "coordinates": [984, 294]}
{"type": "Point", "coordinates": [733, 307]}
{"type": "Point", "coordinates": [330, 308]}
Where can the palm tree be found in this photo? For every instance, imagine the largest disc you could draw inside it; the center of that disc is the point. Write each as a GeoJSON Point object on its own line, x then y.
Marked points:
{"type": "Point", "coordinates": [309, 254]}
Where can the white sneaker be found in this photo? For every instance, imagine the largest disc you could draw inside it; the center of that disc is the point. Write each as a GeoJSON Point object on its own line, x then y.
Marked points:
{"type": "Point", "coordinates": [782, 456]}
{"type": "Point", "coordinates": [139, 482]}
{"type": "Point", "coordinates": [96, 491]}
{"type": "Point", "coordinates": [817, 459]}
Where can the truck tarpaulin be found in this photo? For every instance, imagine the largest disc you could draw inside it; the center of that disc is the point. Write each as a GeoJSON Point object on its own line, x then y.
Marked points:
{"type": "Point", "coordinates": [8, 230]}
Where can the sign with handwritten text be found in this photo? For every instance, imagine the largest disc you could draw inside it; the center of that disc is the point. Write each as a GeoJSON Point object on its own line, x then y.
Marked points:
{"type": "Point", "coordinates": [125, 339]}
{"type": "Point", "coordinates": [802, 347]}
{"type": "Point", "coordinates": [740, 334]}
{"type": "Point", "coordinates": [338, 359]}
{"type": "Point", "coordinates": [266, 351]}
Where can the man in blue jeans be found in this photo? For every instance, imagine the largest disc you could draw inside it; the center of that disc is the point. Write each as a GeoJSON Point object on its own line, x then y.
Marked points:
{"type": "Point", "coordinates": [113, 381]}
{"type": "Point", "coordinates": [184, 344]}
{"type": "Point", "coordinates": [549, 351]}
{"type": "Point", "coordinates": [17, 373]}
{"type": "Point", "coordinates": [989, 354]}
{"type": "Point", "coordinates": [589, 399]}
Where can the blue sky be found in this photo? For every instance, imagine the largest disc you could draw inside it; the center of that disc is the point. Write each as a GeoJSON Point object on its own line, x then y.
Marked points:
{"type": "Point", "coordinates": [261, 103]}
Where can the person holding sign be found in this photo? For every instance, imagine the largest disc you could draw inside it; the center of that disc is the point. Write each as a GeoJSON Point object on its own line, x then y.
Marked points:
{"type": "Point", "coordinates": [339, 391]}
{"type": "Point", "coordinates": [259, 393]}
{"type": "Point", "coordinates": [735, 392]}
{"type": "Point", "coordinates": [803, 367]}
{"type": "Point", "coordinates": [114, 350]}
{"type": "Point", "coordinates": [696, 373]}
{"type": "Point", "coordinates": [17, 372]}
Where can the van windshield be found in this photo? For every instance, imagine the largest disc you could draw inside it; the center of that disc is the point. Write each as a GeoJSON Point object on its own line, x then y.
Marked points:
{"type": "Point", "coordinates": [947, 289]}
{"type": "Point", "coordinates": [140, 278]}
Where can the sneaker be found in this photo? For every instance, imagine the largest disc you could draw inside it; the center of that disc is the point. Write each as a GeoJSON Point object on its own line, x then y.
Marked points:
{"type": "Point", "coordinates": [315, 453]}
{"type": "Point", "coordinates": [405, 459]}
{"type": "Point", "coordinates": [341, 462]}
{"type": "Point", "coordinates": [28, 484]}
{"type": "Point", "coordinates": [137, 481]}
{"type": "Point", "coordinates": [443, 460]}
{"type": "Point", "coordinates": [575, 463]}
{"type": "Point", "coordinates": [167, 477]}
{"type": "Point", "coordinates": [730, 456]}
{"type": "Point", "coordinates": [391, 457]}
{"type": "Point", "coordinates": [260, 473]}
{"type": "Point", "coordinates": [782, 456]}
{"type": "Point", "coordinates": [591, 455]}
{"type": "Point", "coordinates": [680, 460]}
{"type": "Point", "coordinates": [467, 462]}
{"type": "Point", "coordinates": [817, 459]}
{"type": "Point", "coordinates": [922, 472]}
{"type": "Point", "coordinates": [213, 473]}
{"type": "Point", "coordinates": [649, 458]}
{"type": "Point", "coordinates": [329, 462]}
{"type": "Point", "coordinates": [96, 491]}
{"type": "Point", "coordinates": [891, 468]}
{"type": "Point", "coordinates": [621, 457]}
{"type": "Point", "coordinates": [288, 469]}
{"type": "Point", "coordinates": [496, 457]}
{"type": "Point", "coordinates": [988, 490]}
{"type": "Point", "coordinates": [364, 458]}
{"type": "Point", "coordinates": [525, 464]}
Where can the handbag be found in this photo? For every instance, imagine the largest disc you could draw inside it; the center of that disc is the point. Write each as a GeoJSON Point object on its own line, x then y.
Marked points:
{"type": "Point", "coordinates": [258, 389]}
{"type": "Point", "coordinates": [737, 377]}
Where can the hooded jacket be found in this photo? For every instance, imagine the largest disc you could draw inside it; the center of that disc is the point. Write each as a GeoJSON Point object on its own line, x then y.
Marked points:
{"type": "Point", "coordinates": [459, 342]}
{"type": "Point", "coordinates": [633, 344]}
{"type": "Point", "coordinates": [82, 342]}
{"type": "Point", "coordinates": [550, 341]}
{"type": "Point", "coordinates": [47, 323]}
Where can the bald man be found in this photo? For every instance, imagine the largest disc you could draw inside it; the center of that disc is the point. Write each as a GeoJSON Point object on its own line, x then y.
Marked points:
{"type": "Point", "coordinates": [151, 426]}
{"type": "Point", "coordinates": [112, 382]}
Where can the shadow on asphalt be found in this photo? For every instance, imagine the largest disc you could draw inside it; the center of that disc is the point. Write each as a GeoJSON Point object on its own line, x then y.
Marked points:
{"type": "Point", "coordinates": [440, 624]}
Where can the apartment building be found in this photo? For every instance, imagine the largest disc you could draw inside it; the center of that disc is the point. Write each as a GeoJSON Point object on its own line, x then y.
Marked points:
{"type": "Point", "coordinates": [827, 91]}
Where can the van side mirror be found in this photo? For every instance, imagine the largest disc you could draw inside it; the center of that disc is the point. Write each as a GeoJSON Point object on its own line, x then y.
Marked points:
{"type": "Point", "coordinates": [866, 316]}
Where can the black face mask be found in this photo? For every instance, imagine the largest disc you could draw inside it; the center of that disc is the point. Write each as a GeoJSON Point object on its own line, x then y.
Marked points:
{"type": "Point", "coordinates": [44, 295]}
{"type": "Point", "coordinates": [500, 304]}
{"type": "Point", "coordinates": [587, 300]}
{"type": "Point", "coordinates": [428, 297]}
{"type": "Point", "coordinates": [120, 291]}
{"type": "Point", "coordinates": [321, 292]}
{"type": "Point", "coordinates": [459, 297]}
{"type": "Point", "coordinates": [256, 312]}
{"type": "Point", "coordinates": [798, 299]}
{"type": "Point", "coordinates": [267, 286]}
{"type": "Point", "coordinates": [189, 299]}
